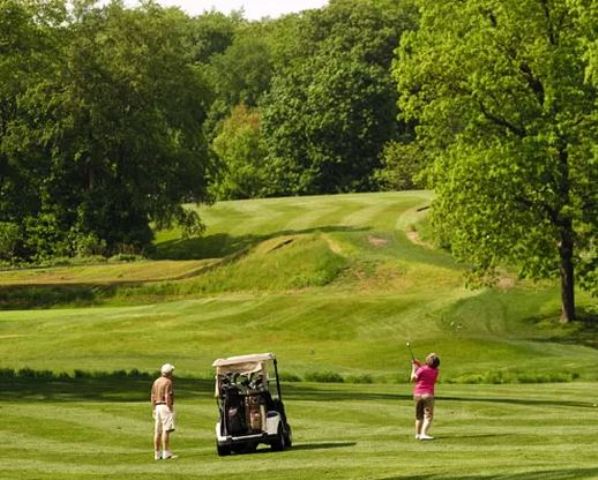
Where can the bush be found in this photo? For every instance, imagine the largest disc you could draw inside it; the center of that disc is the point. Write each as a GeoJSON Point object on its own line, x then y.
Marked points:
{"type": "Point", "coordinates": [10, 237]}
{"type": "Point", "coordinates": [7, 373]}
{"type": "Point", "coordinates": [360, 379]}
{"type": "Point", "coordinates": [125, 257]}
{"type": "Point", "coordinates": [402, 167]}
{"type": "Point", "coordinates": [26, 373]}
{"type": "Point", "coordinates": [88, 245]}
{"type": "Point", "coordinates": [324, 377]}
{"type": "Point", "coordinates": [510, 377]}
{"type": "Point", "coordinates": [290, 377]}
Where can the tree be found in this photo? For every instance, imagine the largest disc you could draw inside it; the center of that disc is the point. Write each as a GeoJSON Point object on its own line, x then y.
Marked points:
{"type": "Point", "coordinates": [402, 166]}
{"type": "Point", "coordinates": [114, 128]}
{"type": "Point", "coordinates": [30, 42]}
{"type": "Point", "coordinates": [210, 34]}
{"type": "Point", "coordinates": [240, 148]}
{"type": "Point", "coordinates": [332, 107]}
{"type": "Point", "coordinates": [508, 117]}
{"type": "Point", "coordinates": [242, 73]}
{"type": "Point", "coordinates": [325, 124]}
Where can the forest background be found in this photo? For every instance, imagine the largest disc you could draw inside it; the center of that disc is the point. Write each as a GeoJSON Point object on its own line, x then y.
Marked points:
{"type": "Point", "coordinates": [113, 118]}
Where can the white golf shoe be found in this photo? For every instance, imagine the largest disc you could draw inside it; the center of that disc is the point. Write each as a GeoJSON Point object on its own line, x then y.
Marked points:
{"type": "Point", "coordinates": [423, 436]}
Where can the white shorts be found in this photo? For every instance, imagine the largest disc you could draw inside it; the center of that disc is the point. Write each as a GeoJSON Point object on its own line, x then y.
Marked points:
{"type": "Point", "coordinates": [164, 419]}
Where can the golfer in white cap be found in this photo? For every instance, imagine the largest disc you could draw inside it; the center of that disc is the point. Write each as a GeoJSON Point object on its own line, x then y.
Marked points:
{"type": "Point", "coordinates": [163, 412]}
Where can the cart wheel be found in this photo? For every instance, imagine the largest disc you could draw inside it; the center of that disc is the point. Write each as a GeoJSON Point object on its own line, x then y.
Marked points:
{"type": "Point", "coordinates": [280, 443]}
{"type": "Point", "coordinates": [289, 437]}
{"type": "Point", "coordinates": [223, 450]}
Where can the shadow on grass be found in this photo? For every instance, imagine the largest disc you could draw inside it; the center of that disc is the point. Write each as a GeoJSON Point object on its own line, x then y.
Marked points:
{"type": "Point", "coordinates": [226, 247]}
{"type": "Point", "coordinates": [302, 446]}
{"type": "Point", "coordinates": [561, 474]}
{"type": "Point", "coordinates": [582, 331]}
{"type": "Point", "coordinates": [296, 391]}
{"type": "Point", "coordinates": [22, 297]}
{"type": "Point", "coordinates": [96, 388]}
{"type": "Point", "coordinates": [220, 245]}
{"type": "Point", "coordinates": [323, 445]}
{"type": "Point", "coordinates": [483, 435]}
{"type": "Point", "coordinates": [134, 386]}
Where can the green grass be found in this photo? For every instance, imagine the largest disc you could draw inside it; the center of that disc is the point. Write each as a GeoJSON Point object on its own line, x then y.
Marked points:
{"type": "Point", "coordinates": [140, 271]}
{"type": "Point", "coordinates": [330, 283]}
{"type": "Point", "coordinates": [335, 286]}
{"type": "Point", "coordinates": [486, 432]}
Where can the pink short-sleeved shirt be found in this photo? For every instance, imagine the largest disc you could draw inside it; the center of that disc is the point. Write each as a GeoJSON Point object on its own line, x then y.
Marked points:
{"type": "Point", "coordinates": [426, 379]}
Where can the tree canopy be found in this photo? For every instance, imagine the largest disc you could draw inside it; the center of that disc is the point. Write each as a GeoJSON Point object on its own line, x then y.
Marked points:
{"type": "Point", "coordinates": [330, 112]}
{"type": "Point", "coordinates": [106, 137]}
{"type": "Point", "coordinates": [507, 113]}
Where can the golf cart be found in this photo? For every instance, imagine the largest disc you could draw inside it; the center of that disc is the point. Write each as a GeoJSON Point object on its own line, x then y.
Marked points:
{"type": "Point", "coordinates": [248, 413]}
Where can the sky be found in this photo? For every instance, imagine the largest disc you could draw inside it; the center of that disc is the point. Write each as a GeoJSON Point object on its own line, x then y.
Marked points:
{"type": "Point", "coordinates": [254, 9]}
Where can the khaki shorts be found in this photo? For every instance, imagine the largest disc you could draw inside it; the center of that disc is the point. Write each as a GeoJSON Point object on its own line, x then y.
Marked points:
{"type": "Point", "coordinates": [164, 419]}
{"type": "Point", "coordinates": [424, 406]}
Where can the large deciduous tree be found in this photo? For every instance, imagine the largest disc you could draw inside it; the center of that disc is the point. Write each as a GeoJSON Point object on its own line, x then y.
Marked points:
{"type": "Point", "coordinates": [325, 125]}
{"type": "Point", "coordinates": [240, 149]}
{"type": "Point", "coordinates": [114, 126]}
{"type": "Point", "coordinates": [507, 112]}
{"type": "Point", "coordinates": [30, 42]}
{"type": "Point", "coordinates": [332, 108]}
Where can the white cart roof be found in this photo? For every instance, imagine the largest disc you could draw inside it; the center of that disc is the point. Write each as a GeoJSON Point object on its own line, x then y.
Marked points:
{"type": "Point", "coordinates": [244, 359]}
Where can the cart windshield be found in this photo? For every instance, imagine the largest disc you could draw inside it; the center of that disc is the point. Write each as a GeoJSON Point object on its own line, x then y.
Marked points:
{"type": "Point", "coordinates": [247, 369]}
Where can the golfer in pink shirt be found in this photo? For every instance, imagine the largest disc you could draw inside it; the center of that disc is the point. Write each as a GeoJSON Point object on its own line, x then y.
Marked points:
{"type": "Point", "coordinates": [425, 377]}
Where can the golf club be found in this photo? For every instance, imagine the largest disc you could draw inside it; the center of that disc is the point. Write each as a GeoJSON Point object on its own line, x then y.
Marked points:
{"type": "Point", "coordinates": [410, 351]}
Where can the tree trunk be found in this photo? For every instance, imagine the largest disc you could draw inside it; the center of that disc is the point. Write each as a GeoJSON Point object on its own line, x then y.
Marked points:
{"type": "Point", "coordinates": [565, 224]}
{"type": "Point", "coordinates": [567, 280]}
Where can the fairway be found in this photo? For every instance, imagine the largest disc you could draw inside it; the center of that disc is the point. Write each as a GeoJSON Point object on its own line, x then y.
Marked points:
{"type": "Point", "coordinates": [387, 208]}
{"type": "Point", "coordinates": [335, 286]}
{"type": "Point", "coordinates": [341, 432]}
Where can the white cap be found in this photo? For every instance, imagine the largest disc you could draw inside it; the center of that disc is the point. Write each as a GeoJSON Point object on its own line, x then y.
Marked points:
{"type": "Point", "coordinates": [166, 369]}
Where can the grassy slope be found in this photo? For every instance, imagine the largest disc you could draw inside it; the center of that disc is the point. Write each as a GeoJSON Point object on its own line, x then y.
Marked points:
{"type": "Point", "coordinates": [329, 283]}
{"type": "Point", "coordinates": [140, 271]}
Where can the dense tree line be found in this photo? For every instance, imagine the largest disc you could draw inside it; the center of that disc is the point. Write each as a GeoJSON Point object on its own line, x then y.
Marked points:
{"type": "Point", "coordinates": [100, 127]}
{"type": "Point", "coordinates": [112, 117]}
{"type": "Point", "coordinates": [322, 97]}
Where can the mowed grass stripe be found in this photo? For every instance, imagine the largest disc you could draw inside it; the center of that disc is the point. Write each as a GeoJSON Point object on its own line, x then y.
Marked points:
{"type": "Point", "coordinates": [268, 216]}
{"type": "Point", "coordinates": [351, 334]}
{"type": "Point", "coordinates": [357, 439]}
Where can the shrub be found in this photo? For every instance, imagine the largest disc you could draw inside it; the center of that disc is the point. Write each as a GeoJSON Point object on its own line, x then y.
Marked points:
{"type": "Point", "coordinates": [510, 377]}
{"type": "Point", "coordinates": [360, 379]}
{"type": "Point", "coordinates": [290, 377]}
{"type": "Point", "coordinates": [80, 374]}
{"type": "Point", "coordinates": [7, 373]}
{"type": "Point", "coordinates": [26, 373]}
{"type": "Point", "coordinates": [125, 257]}
{"type": "Point", "coordinates": [10, 237]}
{"type": "Point", "coordinates": [324, 377]}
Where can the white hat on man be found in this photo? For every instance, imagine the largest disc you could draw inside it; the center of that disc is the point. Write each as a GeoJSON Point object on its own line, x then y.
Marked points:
{"type": "Point", "coordinates": [167, 369]}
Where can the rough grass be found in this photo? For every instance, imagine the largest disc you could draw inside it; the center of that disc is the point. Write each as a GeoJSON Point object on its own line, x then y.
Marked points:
{"type": "Point", "coordinates": [140, 271]}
